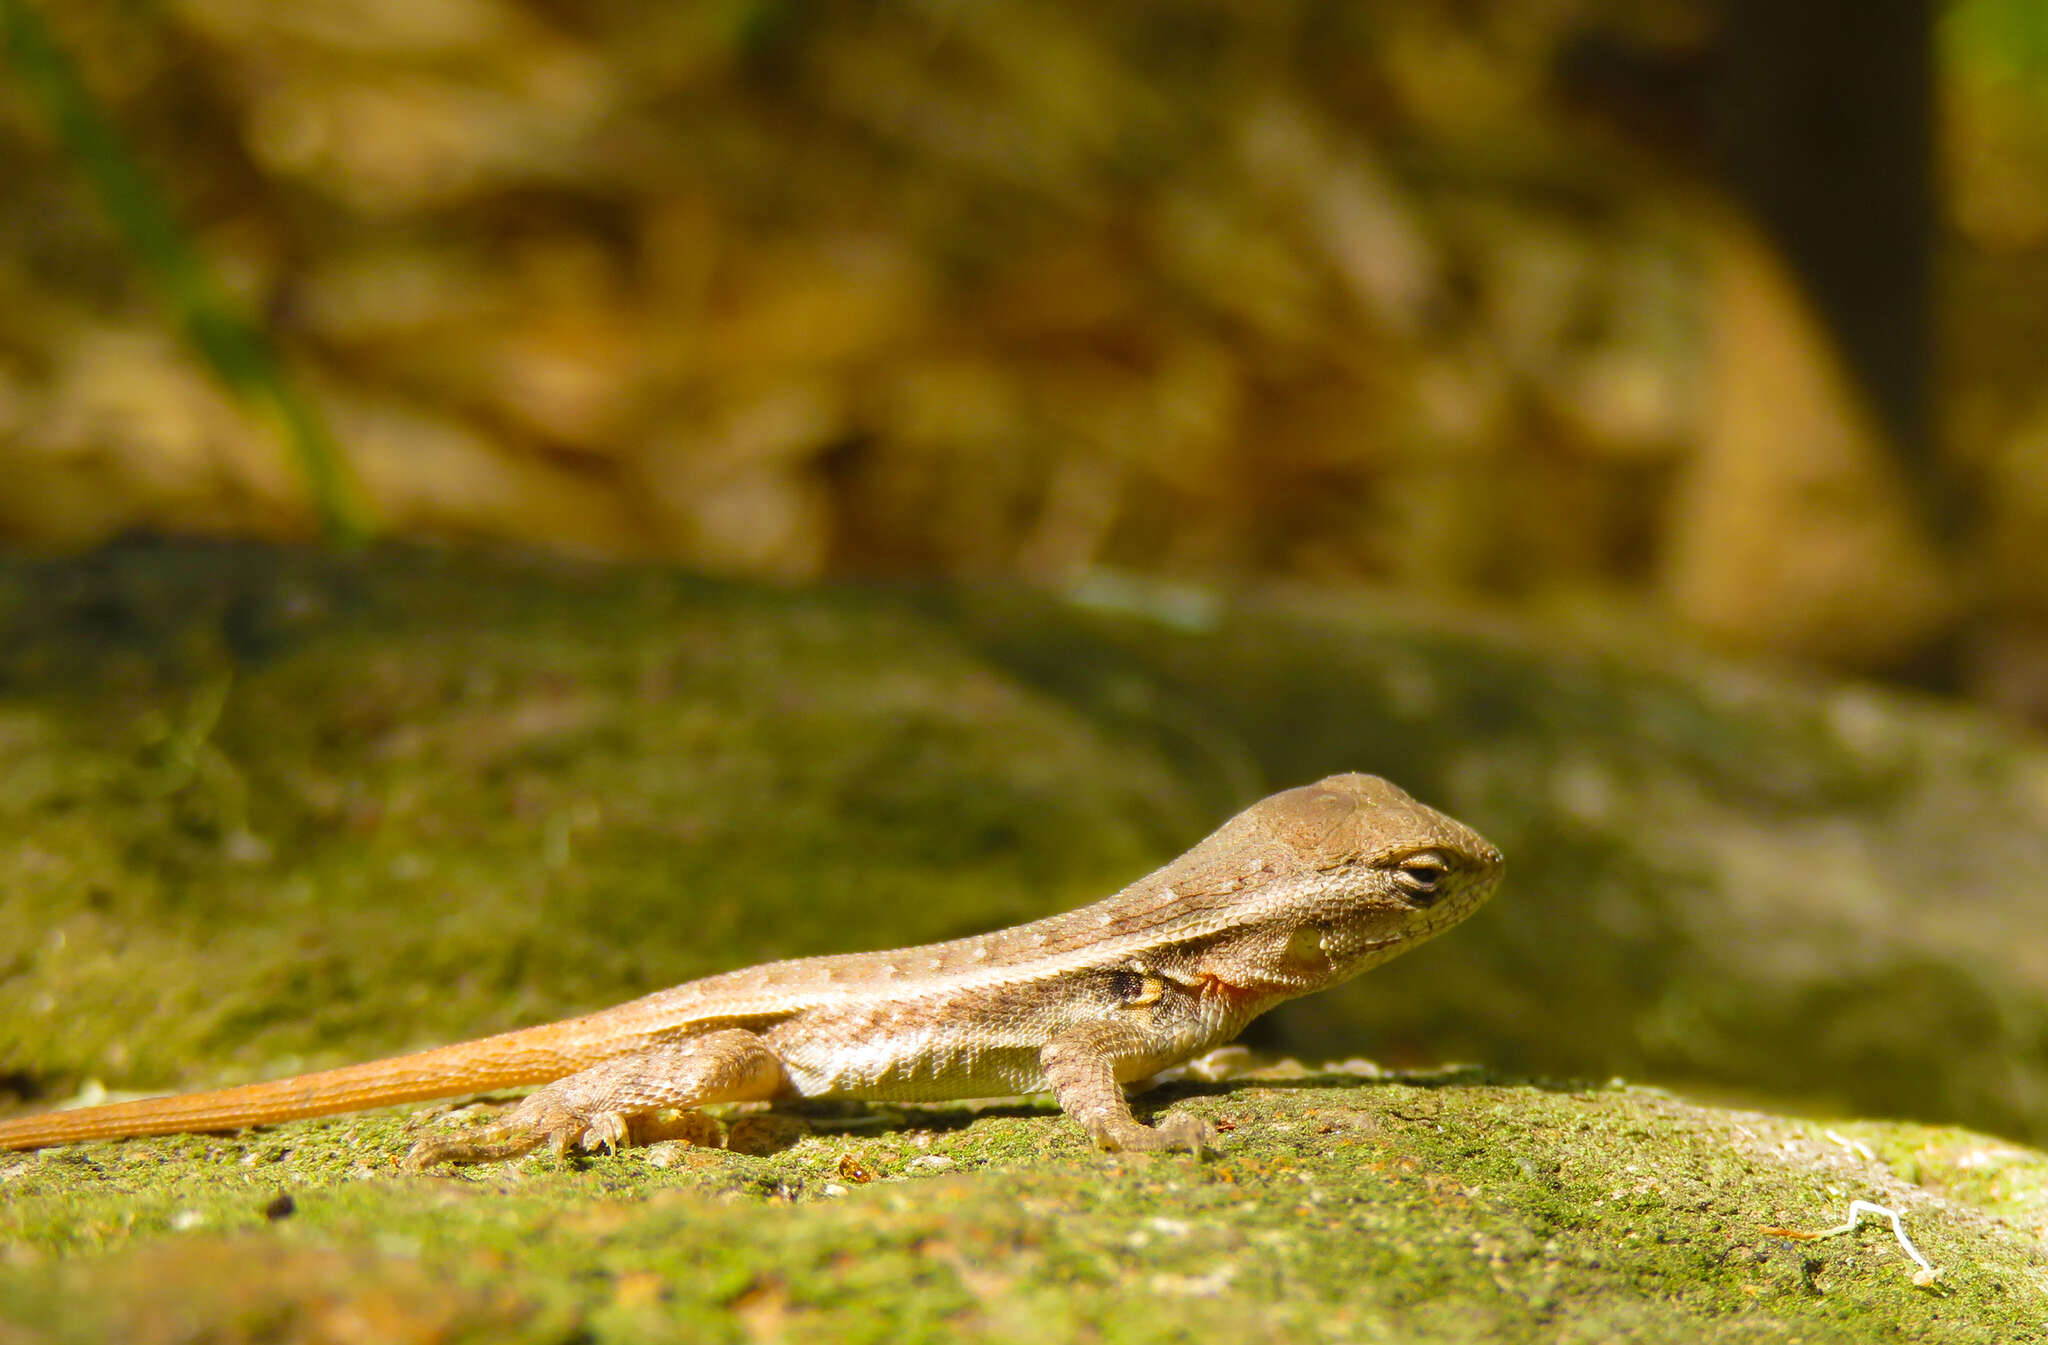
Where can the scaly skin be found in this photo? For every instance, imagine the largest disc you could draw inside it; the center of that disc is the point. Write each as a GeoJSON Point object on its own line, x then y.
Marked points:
{"type": "Point", "coordinates": [1299, 892]}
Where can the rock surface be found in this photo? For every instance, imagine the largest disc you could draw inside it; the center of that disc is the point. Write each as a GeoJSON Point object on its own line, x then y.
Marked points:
{"type": "Point", "coordinates": [268, 811]}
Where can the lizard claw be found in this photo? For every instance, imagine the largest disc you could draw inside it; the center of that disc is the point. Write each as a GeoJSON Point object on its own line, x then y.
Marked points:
{"type": "Point", "coordinates": [607, 1130]}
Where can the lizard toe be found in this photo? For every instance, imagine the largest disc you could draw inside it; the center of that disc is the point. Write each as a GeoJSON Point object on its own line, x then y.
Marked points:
{"type": "Point", "coordinates": [606, 1130]}
{"type": "Point", "coordinates": [1178, 1131]}
{"type": "Point", "coordinates": [422, 1155]}
{"type": "Point", "coordinates": [1183, 1130]}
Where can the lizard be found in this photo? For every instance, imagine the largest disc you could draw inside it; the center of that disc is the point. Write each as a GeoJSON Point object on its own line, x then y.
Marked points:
{"type": "Point", "coordinates": [1297, 893]}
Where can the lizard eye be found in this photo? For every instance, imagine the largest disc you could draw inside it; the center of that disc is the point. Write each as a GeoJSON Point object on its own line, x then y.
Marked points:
{"type": "Point", "coordinates": [1421, 875]}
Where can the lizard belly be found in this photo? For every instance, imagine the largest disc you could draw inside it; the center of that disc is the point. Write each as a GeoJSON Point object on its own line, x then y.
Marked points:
{"type": "Point", "coordinates": [877, 1055]}
{"type": "Point", "coordinates": [981, 1045]}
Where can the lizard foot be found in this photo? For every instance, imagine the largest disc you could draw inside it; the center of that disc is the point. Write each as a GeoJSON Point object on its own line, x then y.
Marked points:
{"type": "Point", "coordinates": [485, 1146]}
{"type": "Point", "coordinates": [766, 1134]}
{"type": "Point", "coordinates": [1178, 1131]}
{"type": "Point", "coordinates": [600, 1107]}
{"type": "Point", "coordinates": [686, 1127]}
{"type": "Point", "coordinates": [1184, 1130]}
{"type": "Point", "coordinates": [541, 1119]}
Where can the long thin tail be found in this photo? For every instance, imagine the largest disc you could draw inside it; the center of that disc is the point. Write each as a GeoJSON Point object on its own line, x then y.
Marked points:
{"type": "Point", "coordinates": [526, 1056]}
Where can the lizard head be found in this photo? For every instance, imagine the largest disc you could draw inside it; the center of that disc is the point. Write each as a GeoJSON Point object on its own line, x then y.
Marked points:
{"type": "Point", "coordinates": [1413, 869]}
{"type": "Point", "coordinates": [1338, 876]}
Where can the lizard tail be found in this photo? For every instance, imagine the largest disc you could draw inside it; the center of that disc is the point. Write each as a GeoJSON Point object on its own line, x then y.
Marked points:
{"type": "Point", "coordinates": [526, 1056]}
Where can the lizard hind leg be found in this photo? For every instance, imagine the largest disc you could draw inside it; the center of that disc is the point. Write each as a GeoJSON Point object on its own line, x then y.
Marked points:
{"type": "Point", "coordinates": [597, 1107]}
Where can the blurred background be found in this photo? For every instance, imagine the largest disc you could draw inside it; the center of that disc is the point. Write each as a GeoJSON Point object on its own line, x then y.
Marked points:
{"type": "Point", "coordinates": [1655, 325]}
{"type": "Point", "coordinates": [1725, 317]}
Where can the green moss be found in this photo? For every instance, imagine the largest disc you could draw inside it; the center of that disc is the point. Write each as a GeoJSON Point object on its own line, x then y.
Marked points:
{"type": "Point", "coordinates": [1409, 1209]}
{"type": "Point", "coordinates": [260, 821]}
{"type": "Point", "coordinates": [265, 812]}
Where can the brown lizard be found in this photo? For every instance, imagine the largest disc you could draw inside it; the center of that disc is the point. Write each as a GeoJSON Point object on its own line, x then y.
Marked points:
{"type": "Point", "coordinates": [1295, 894]}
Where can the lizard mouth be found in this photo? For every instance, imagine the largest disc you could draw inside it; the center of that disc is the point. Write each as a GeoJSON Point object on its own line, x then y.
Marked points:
{"type": "Point", "coordinates": [1423, 922]}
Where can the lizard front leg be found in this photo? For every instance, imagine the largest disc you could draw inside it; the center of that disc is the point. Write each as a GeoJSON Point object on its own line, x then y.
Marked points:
{"type": "Point", "coordinates": [596, 1107]}
{"type": "Point", "coordinates": [1081, 1065]}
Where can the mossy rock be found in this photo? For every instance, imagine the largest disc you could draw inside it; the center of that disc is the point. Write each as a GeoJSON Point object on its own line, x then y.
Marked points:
{"type": "Point", "coordinates": [271, 811]}
{"type": "Point", "coordinates": [1445, 1208]}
